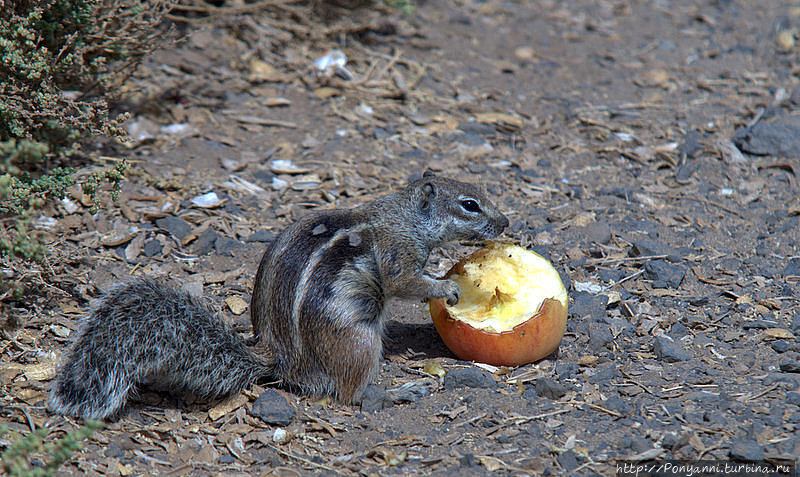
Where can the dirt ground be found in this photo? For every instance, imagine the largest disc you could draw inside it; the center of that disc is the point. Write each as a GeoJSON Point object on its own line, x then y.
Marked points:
{"type": "Point", "coordinates": [649, 149]}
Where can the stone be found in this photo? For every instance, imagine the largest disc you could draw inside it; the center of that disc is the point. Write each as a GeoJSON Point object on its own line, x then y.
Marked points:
{"type": "Point", "coordinates": [599, 336]}
{"type": "Point", "coordinates": [152, 247]}
{"type": "Point", "coordinates": [374, 399]}
{"type": "Point", "coordinates": [777, 137]}
{"type": "Point", "coordinates": [568, 460]}
{"type": "Point", "coordinates": [177, 227]}
{"type": "Point", "coordinates": [471, 377]}
{"type": "Point", "coordinates": [549, 388]}
{"type": "Point", "coordinates": [663, 274]}
{"type": "Point", "coordinates": [262, 236]}
{"type": "Point", "coordinates": [226, 245]}
{"type": "Point", "coordinates": [273, 408]}
{"type": "Point", "coordinates": [746, 450]}
{"type": "Point", "coordinates": [667, 349]}
{"type": "Point", "coordinates": [585, 305]}
{"type": "Point", "coordinates": [792, 366]}
{"type": "Point", "coordinates": [205, 242]}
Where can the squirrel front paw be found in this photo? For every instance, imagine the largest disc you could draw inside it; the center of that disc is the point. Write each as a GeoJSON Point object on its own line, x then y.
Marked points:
{"type": "Point", "coordinates": [449, 290]}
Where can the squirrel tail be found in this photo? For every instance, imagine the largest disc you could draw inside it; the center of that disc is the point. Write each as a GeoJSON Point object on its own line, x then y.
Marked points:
{"type": "Point", "coordinates": [146, 332]}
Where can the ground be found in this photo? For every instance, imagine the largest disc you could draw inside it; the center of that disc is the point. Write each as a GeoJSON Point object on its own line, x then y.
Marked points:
{"type": "Point", "coordinates": [649, 149]}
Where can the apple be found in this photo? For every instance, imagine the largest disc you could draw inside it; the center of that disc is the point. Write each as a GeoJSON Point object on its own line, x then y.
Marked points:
{"type": "Point", "coordinates": [512, 311]}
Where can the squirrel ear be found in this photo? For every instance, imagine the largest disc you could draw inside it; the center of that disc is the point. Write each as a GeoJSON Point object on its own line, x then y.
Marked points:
{"type": "Point", "coordinates": [428, 194]}
{"type": "Point", "coordinates": [428, 173]}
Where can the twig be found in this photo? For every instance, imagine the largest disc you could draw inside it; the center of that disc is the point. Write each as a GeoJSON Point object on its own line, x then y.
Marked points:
{"type": "Point", "coordinates": [301, 459]}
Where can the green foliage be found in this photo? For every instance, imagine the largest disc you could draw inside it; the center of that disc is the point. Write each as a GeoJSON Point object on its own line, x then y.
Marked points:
{"type": "Point", "coordinates": [58, 61]}
{"type": "Point", "coordinates": [405, 6]}
{"type": "Point", "coordinates": [32, 456]}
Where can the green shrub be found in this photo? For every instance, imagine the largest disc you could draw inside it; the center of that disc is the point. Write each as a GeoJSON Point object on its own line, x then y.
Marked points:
{"type": "Point", "coordinates": [59, 61]}
{"type": "Point", "coordinates": [32, 456]}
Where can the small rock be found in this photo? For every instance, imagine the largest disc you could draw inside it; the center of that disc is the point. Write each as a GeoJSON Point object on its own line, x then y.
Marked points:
{"type": "Point", "coordinates": [177, 227]}
{"type": "Point", "coordinates": [779, 137]}
{"type": "Point", "coordinates": [273, 408]}
{"type": "Point", "coordinates": [152, 247]}
{"type": "Point", "coordinates": [640, 444]}
{"type": "Point", "coordinates": [468, 460]}
{"type": "Point", "coordinates": [480, 129]}
{"type": "Point", "coordinates": [793, 397]}
{"type": "Point", "coordinates": [599, 336]}
{"type": "Point", "coordinates": [617, 404]}
{"type": "Point", "coordinates": [668, 350]}
{"type": "Point", "coordinates": [663, 274]}
{"type": "Point", "coordinates": [673, 441]}
{"type": "Point", "coordinates": [471, 377]}
{"type": "Point", "coordinates": [205, 242]}
{"type": "Point", "coordinates": [374, 399]}
{"type": "Point", "coordinates": [646, 248]}
{"type": "Point", "coordinates": [790, 366]}
{"type": "Point", "coordinates": [568, 460]}
{"type": "Point", "coordinates": [746, 450]}
{"type": "Point", "coordinates": [549, 388]}
{"type": "Point", "coordinates": [585, 305]}
{"type": "Point", "coordinates": [226, 245]}
{"type": "Point", "coordinates": [780, 346]}
{"type": "Point", "coordinates": [263, 236]}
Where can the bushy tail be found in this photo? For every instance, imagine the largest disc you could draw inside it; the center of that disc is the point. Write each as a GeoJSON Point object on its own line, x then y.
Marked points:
{"type": "Point", "coordinates": [145, 332]}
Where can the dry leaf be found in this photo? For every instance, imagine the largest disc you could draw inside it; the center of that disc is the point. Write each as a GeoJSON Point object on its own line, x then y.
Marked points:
{"type": "Point", "coordinates": [327, 92]}
{"type": "Point", "coordinates": [491, 463]}
{"type": "Point", "coordinates": [236, 304]}
{"type": "Point", "coordinates": [434, 368]}
{"type": "Point", "coordinates": [779, 333]}
{"type": "Point", "coordinates": [226, 407]}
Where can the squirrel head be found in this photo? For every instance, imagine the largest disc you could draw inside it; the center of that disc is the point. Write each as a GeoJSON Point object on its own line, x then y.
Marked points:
{"type": "Point", "coordinates": [454, 210]}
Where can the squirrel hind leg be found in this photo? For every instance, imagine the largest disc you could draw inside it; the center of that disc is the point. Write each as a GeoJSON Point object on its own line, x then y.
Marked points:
{"type": "Point", "coordinates": [351, 372]}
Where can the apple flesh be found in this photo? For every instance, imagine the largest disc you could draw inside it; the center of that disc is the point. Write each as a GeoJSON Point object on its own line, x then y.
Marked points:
{"type": "Point", "coordinates": [512, 311]}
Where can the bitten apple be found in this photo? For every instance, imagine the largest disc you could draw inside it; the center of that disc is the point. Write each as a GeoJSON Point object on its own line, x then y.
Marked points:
{"type": "Point", "coordinates": [512, 311]}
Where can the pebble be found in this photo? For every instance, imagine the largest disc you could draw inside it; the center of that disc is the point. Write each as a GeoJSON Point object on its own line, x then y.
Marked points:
{"type": "Point", "coordinates": [746, 450]}
{"type": "Point", "coordinates": [374, 399]}
{"type": "Point", "coordinates": [152, 247]}
{"type": "Point", "coordinates": [666, 349]}
{"type": "Point", "coordinates": [780, 346]}
{"type": "Point", "coordinates": [471, 377]}
{"type": "Point", "coordinates": [792, 366]}
{"type": "Point", "coordinates": [568, 460]}
{"type": "Point", "coordinates": [585, 305]}
{"type": "Point", "coordinates": [263, 236]}
{"type": "Point", "coordinates": [549, 388]}
{"type": "Point", "coordinates": [663, 274]}
{"type": "Point", "coordinates": [778, 137]}
{"type": "Point", "coordinates": [226, 245]}
{"type": "Point", "coordinates": [273, 408]}
{"type": "Point", "coordinates": [599, 337]}
{"type": "Point", "coordinates": [205, 242]}
{"type": "Point", "coordinates": [793, 397]}
{"type": "Point", "coordinates": [177, 227]}
{"type": "Point", "coordinates": [673, 441]}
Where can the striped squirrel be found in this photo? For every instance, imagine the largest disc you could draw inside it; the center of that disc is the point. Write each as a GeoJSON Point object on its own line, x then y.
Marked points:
{"type": "Point", "coordinates": [317, 307]}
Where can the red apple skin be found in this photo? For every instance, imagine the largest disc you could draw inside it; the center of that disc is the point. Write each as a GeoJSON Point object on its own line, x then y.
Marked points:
{"type": "Point", "coordinates": [525, 343]}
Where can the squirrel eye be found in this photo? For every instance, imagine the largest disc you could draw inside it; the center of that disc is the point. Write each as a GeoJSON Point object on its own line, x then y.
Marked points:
{"type": "Point", "coordinates": [470, 205]}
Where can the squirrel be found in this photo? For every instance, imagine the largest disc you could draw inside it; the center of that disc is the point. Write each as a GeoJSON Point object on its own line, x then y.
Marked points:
{"type": "Point", "coordinates": [317, 307]}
